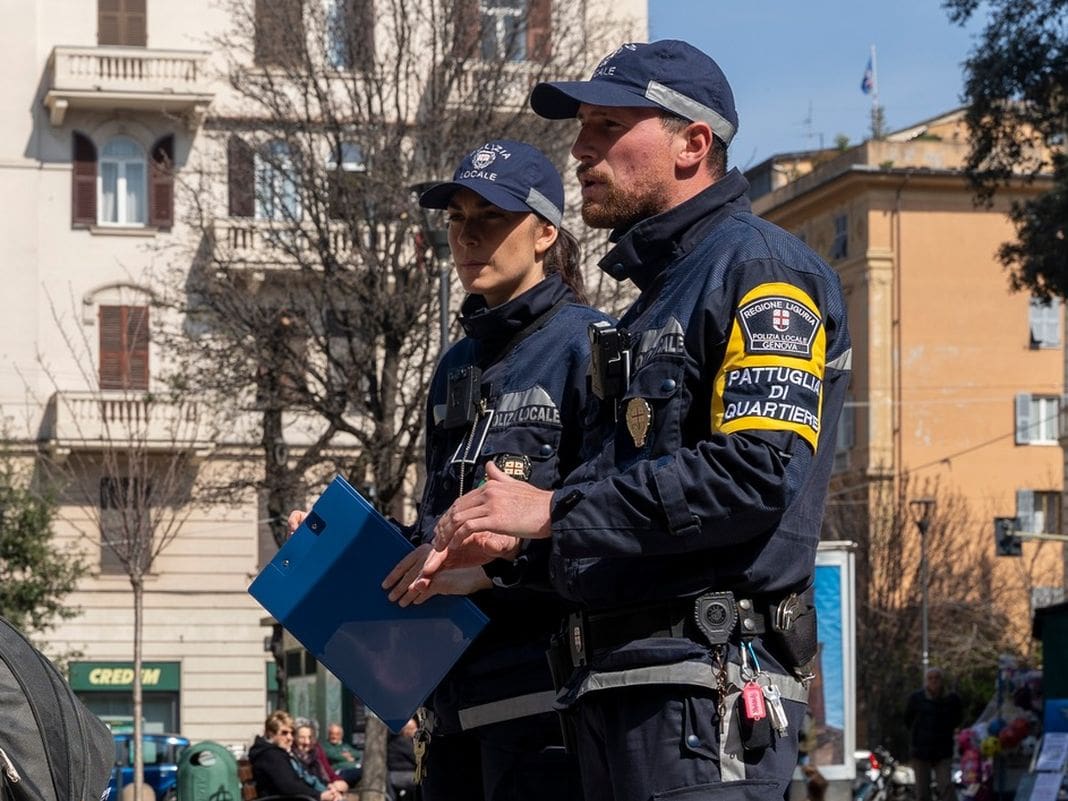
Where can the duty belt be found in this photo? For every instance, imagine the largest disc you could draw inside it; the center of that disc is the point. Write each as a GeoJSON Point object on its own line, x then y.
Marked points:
{"type": "Point", "coordinates": [695, 618]}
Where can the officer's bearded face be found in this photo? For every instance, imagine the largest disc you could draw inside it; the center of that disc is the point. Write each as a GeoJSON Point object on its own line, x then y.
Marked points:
{"type": "Point", "coordinates": [625, 165]}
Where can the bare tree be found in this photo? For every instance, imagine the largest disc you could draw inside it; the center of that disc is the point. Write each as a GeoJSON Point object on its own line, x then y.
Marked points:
{"type": "Point", "coordinates": [127, 459]}
{"type": "Point", "coordinates": [309, 295]}
{"type": "Point", "coordinates": [968, 627]}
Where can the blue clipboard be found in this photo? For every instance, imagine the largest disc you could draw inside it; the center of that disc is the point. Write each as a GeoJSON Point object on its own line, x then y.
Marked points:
{"type": "Point", "coordinates": [325, 587]}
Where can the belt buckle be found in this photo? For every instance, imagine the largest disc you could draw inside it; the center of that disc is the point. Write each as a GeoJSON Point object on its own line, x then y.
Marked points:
{"type": "Point", "coordinates": [576, 638]}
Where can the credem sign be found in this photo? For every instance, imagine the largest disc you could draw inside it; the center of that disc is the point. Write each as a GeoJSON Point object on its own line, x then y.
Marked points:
{"type": "Point", "coordinates": [104, 676]}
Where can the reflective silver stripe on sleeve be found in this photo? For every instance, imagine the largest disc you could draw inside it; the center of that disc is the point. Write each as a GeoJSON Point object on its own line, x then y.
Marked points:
{"type": "Point", "coordinates": [690, 109]}
{"type": "Point", "coordinates": [520, 706]}
{"type": "Point", "coordinates": [843, 362]}
{"type": "Point", "coordinates": [698, 674]}
{"type": "Point", "coordinates": [541, 204]}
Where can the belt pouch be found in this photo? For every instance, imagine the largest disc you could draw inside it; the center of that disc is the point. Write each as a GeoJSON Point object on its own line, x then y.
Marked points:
{"type": "Point", "coordinates": [798, 640]}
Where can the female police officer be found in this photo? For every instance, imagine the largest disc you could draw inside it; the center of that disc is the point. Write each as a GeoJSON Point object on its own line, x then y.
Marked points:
{"type": "Point", "coordinates": [505, 393]}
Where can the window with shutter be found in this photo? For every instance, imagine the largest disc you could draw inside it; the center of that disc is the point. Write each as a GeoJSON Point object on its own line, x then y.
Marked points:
{"type": "Point", "coordinates": [240, 177]}
{"type": "Point", "coordinates": [1037, 419]}
{"type": "Point", "coordinates": [161, 184]}
{"type": "Point", "coordinates": [122, 183]}
{"type": "Point", "coordinates": [1044, 322]}
{"type": "Point", "coordinates": [121, 497]}
{"type": "Point", "coordinates": [83, 184]}
{"type": "Point", "coordinates": [122, 22]}
{"type": "Point", "coordinates": [277, 197]}
{"type": "Point", "coordinates": [279, 33]}
{"type": "Point", "coordinates": [504, 30]}
{"type": "Point", "coordinates": [124, 345]}
{"type": "Point", "coordinates": [1039, 511]}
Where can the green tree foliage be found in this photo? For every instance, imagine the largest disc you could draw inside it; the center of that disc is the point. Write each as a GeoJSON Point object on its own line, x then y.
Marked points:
{"type": "Point", "coordinates": [1016, 90]}
{"type": "Point", "coordinates": [35, 575]}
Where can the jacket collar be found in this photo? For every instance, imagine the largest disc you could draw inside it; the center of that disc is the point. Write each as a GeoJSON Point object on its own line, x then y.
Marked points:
{"type": "Point", "coordinates": [646, 248]}
{"type": "Point", "coordinates": [494, 327]}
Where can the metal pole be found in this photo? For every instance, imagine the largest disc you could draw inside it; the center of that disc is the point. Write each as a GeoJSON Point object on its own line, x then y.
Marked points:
{"type": "Point", "coordinates": [921, 510]}
{"type": "Point", "coordinates": [923, 580]}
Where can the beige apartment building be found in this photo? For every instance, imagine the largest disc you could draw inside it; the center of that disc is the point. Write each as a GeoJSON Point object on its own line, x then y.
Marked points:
{"type": "Point", "coordinates": [957, 380]}
{"type": "Point", "coordinates": [106, 103]}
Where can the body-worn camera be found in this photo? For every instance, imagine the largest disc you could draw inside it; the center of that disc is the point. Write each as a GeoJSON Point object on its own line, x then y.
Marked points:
{"type": "Point", "coordinates": [609, 360]}
{"type": "Point", "coordinates": [715, 615]}
{"type": "Point", "coordinates": [462, 395]}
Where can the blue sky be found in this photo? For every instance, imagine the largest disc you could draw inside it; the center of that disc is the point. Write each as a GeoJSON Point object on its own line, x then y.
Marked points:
{"type": "Point", "coordinates": [783, 55]}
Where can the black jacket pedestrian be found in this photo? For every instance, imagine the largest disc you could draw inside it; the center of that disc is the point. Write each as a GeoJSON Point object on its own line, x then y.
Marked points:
{"type": "Point", "coordinates": [932, 721]}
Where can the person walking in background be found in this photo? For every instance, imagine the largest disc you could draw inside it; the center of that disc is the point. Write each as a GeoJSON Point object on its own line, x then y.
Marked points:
{"type": "Point", "coordinates": [933, 715]}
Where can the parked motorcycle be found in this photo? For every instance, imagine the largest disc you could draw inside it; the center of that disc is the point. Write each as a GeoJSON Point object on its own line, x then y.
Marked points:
{"type": "Point", "coordinates": [880, 777]}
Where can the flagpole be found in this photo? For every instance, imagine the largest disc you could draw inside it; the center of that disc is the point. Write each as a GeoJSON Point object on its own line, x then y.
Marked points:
{"type": "Point", "coordinates": [874, 82]}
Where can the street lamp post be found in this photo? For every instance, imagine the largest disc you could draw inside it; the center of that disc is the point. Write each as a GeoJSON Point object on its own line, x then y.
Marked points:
{"type": "Point", "coordinates": [921, 510]}
{"type": "Point", "coordinates": [436, 231]}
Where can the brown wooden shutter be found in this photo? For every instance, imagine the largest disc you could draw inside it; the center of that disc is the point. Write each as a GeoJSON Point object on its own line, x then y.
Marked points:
{"type": "Point", "coordinates": [279, 32]}
{"type": "Point", "coordinates": [83, 182]}
{"type": "Point", "coordinates": [136, 19]}
{"type": "Point", "coordinates": [137, 346]}
{"type": "Point", "coordinates": [468, 29]}
{"type": "Point", "coordinates": [124, 347]}
{"type": "Point", "coordinates": [121, 22]}
{"type": "Point", "coordinates": [241, 169]}
{"type": "Point", "coordinates": [112, 353]}
{"type": "Point", "coordinates": [109, 22]}
{"type": "Point", "coordinates": [161, 184]}
{"type": "Point", "coordinates": [539, 30]}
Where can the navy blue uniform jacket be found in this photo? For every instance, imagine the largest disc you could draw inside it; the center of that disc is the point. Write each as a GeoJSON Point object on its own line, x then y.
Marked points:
{"type": "Point", "coordinates": [740, 349]}
{"type": "Point", "coordinates": [538, 390]}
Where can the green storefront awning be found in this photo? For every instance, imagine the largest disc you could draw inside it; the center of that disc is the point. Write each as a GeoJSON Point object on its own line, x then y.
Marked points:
{"type": "Point", "coordinates": [111, 676]}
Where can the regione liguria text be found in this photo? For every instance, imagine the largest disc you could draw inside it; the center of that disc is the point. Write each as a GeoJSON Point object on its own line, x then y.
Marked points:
{"type": "Point", "coordinates": [772, 373]}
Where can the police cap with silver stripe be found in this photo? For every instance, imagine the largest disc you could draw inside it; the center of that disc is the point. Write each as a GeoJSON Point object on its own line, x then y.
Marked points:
{"type": "Point", "coordinates": [668, 74]}
{"type": "Point", "coordinates": [511, 175]}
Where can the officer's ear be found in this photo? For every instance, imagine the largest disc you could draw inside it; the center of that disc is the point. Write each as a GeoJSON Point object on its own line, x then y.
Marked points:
{"type": "Point", "coordinates": [545, 235]}
{"type": "Point", "coordinates": [693, 143]}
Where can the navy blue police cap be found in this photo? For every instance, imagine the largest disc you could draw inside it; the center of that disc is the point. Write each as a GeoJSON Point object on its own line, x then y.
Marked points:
{"type": "Point", "coordinates": [668, 74]}
{"type": "Point", "coordinates": [511, 175]}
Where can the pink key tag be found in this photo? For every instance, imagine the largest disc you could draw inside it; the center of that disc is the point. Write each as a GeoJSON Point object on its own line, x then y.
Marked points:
{"type": "Point", "coordinates": [753, 698]}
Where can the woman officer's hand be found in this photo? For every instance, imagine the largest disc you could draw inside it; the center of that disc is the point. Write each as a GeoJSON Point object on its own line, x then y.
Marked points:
{"type": "Point", "coordinates": [401, 581]}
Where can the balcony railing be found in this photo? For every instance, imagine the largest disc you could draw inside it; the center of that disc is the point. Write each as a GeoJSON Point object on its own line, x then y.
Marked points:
{"type": "Point", "coordinates": [269, 244]}
{"type": "Point", "coordinates": [124, 419]}
{"type": "Point", "coordinates": [507, 84]}
{"type": "Point", "coordinates": [172, 81]}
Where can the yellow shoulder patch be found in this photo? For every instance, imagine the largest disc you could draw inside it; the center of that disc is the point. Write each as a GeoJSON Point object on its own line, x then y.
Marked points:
{"type": "Point", "coordinates": [771, 378]}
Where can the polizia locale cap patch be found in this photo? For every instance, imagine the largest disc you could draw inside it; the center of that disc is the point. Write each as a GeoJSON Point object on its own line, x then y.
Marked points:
{"type": "Point", "coordinates": [511, 175]}
{"type": "Point", "coordinates": [668, 74]}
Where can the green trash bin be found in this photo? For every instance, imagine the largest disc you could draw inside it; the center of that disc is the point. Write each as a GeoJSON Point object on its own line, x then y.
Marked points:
{"type": "Point", "coordinates": [207, 771]}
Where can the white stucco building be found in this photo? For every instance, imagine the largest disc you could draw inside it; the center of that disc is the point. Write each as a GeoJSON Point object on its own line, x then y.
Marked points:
{"type": "Point", "coordinates": [98, 98]}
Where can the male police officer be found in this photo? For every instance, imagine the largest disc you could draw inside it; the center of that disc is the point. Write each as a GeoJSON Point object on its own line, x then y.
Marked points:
{"type": "Point", "coordinates": [689, 534]}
